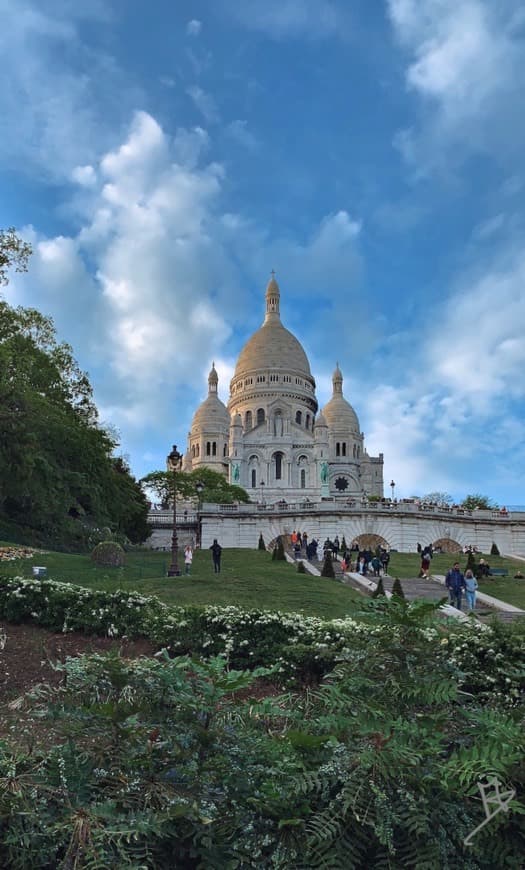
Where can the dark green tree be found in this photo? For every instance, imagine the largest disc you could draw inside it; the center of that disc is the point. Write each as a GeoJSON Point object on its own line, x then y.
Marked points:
{"type": "Point", "coordinates": [58, 473]}
{"type": "Point", "coordinates": [278, 551]}
{"type": "Point", "coordinates": [379, 591]}
{"type": "Point", "coordinates": [261, 545]}
{"type": "Point", "coordinates": [328, 567]}
{"type": "Point", "coordinates": [471, 561]}
{"type": "Point", "coordinates": [216, 490]}
{"type": "Point", "coordinates": [14, 253]}
{"type": "Point", "coordinates": [494, 550]}
{"type": "Point", "coordinates": [397, 589]}
{"type": "Point", "coordinates": [483, 502]}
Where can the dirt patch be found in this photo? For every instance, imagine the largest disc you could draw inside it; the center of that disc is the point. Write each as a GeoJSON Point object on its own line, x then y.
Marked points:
{"type": "Point", "coordinates": [29, 650]}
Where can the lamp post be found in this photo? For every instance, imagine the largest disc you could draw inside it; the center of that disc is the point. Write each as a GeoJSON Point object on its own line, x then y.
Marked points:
{"type": "Point", "coordinates": [199, 486]}
{"type": "Point", "coordinates": [174, 459]}
{"type": "Point", "coordinates": [393, 486]}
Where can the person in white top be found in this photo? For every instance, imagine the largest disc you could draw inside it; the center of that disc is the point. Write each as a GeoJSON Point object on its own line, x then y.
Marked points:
{"type": "Point", "coordinates": [188, 558]}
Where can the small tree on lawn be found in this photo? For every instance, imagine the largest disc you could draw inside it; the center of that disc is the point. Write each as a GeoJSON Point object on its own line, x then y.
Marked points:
{"type": "Point", "coordinates": [344, 547]}
{"type": "Point", "coordinates": [278, 552]}
{"type": "Point", "coordinates": [379, 590]}
{"type": "Point", "coordinates": [471, 561]}
{"type": "Point", "coordinates": [328, 568]}
{"type": "Point", "coordinates": [300, 567]}
{"type": "Point", "coordinates": [494, 551]}
{"type": "Point", "coordinates": [397, 589]}
{"type": "Point", "coordinates": [262, 545]}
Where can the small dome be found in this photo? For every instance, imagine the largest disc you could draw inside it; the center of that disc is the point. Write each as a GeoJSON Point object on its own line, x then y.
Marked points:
{"type": "Point", "coordinates": [339, 413]}
{"type": "Point", "coordinates": [320, 420]}
{"type": "Point", "coordinates": [212, 414]}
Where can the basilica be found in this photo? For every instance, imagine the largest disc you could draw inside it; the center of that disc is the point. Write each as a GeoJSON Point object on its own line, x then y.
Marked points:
{"type": "Point", "coordinates": [270, 438]}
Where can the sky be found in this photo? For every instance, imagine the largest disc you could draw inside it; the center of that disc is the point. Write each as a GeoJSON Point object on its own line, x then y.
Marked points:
{"type": "Point", "coordinates": [163, 158]}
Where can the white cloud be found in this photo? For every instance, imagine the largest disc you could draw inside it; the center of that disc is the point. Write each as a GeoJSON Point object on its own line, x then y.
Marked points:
{"type": "Point", "coordinates": [239, 132]}
{"type": "Point", "coordinates": [283, 19]}
{"type": "Point", "coordinates": [205, 104]}
{"type": "Point", "coordinates": [64, 95]}
{"type": "Point", "coordinates": [467, 69]}
{"type": "Point", "coordinates": [84, 175]}
{"type": "Point", "coordinates": [194, 27]}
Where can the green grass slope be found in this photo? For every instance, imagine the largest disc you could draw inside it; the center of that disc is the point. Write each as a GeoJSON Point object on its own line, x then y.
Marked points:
{"type": "Point", "coordinates": [249, 579]}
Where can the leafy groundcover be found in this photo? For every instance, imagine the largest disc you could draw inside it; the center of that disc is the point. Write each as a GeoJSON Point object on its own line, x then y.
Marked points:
{"type": "Point", "coordinates": [170, 762]}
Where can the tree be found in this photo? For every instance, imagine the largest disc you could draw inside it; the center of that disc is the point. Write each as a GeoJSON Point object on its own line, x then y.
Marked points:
{"type": "Point", "coordinates": [441, 499]}
{"type": "Point", "coordinates": [216, 490]}
{"type": "Point", "coordinates": [278, 554]}
{"type": "Point", "coordinates": [261, 545]}
{"type": "Point", "coordinates": [478, 501]}
{"type": "Point", "coordinates": [14, 252]}
{"type": "Point", "coordinates": [59, 477]}
{"type": "Point", "coordinates": [494, 550]}
{"type": "Point", "coordinates": [379, 591]}
{"type": "Point", "coordinates": [397, 589]}
{"type": "Point", "coordinates": [328, 568]}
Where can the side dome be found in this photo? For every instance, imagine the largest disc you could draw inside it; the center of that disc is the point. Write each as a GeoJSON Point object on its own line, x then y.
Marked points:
{"type": "Point", "coordinates": [272, 346]}
{"type": "Point", "coordinates": [212, 414]}
{"type": "Point", "coordinates": [337, 412]}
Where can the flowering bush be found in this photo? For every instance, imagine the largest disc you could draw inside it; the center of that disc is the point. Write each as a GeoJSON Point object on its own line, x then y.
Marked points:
{"type": "Point", "coordinates": [490, 658]}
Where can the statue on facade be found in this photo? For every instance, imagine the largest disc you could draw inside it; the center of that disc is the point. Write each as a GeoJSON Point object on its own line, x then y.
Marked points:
{"type": "Point", "coordinates": [278, 425]}
{"type": "Point", "coordinates": [236, 473]}
{"type": "Point", "coordinates": [324, 472]}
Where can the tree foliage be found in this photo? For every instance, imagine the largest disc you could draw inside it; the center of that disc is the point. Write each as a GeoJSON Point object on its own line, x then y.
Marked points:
{"type": "Point", "coordinates": [442, 499]}
{"type": "Point", "coordinates": [216, 489]}
{"type": "Point", "coordinates": [14, 253]}
{"type": "Point", "coordinates": [58, 473]}
{"type": "Point", "coordinates": [475, 501]}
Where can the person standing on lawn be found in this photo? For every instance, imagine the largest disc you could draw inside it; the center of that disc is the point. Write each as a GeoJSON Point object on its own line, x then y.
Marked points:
{"type": "Point", "coordinates": [471, 584]}
{"type": "Point", "coordinates": [455, 583]}
{"type": "Point", "coordinates": [216, 551]}
{"type": "Point", "coordinates": [188, 558]}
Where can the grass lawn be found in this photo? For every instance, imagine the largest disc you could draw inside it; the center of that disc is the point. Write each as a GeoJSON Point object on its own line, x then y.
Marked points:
{"type": "Point", "coordinates": [407, 565]}
{"type": "Point", "coordinates": [248, 579]}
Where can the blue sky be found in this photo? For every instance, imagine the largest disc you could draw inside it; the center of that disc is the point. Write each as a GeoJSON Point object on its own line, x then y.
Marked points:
{"type": "Point", "coordinates": [164, 157]}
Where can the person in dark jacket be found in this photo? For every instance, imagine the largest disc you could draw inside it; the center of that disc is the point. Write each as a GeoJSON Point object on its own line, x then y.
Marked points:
{"type": "Point", "coordinates": [216, 551]}
{"type": "Point", "coordinates": [455, 583]}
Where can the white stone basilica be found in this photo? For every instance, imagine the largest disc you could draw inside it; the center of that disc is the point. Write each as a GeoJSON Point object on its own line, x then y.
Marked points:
{"type": "Point", "coordinates": [270, 439]}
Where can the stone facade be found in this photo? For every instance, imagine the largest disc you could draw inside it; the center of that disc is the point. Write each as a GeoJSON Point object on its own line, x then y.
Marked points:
{"type": "Point", "coordinates": [270, 439]}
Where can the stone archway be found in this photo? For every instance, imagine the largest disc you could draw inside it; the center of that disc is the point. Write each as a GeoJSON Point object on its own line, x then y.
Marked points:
{"type": "Point", "coordinates": [447, 545]}
{"type": "Point", "coordinates": [370, 542]}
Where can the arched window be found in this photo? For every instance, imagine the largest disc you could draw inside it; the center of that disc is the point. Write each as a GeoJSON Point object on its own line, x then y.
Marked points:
{"type": "Point", "coordinates": [307, 421]}
{"type": "Point", "coordinates": [303, 478]}
{"type": "Point", "coordinates": [260, 415]}
{"type": "Point", "coordinates": [344, 448]}
{"type": "Point", "coordinates": [193, 451]}
{"type": "Point", "coordinates": [214, 449]}
{"type": "Point", "coordinates": [208, 448]}
{"type": "Point", "coordinates": [248, 420]}
{"type": "Point", "coordinates": [198, 450]}
{"type": "Point", "coordinates": [254, 478]}
{"type": "Point", "coordinates": [225, 449]}
{"type": "Point", "coordinates": [338, 449]}
{"type": "Point", "coordinates": [278, 466]}
{"type": "Point", "coordinates": [354, 451]}
{"type": "Point", "coordinates": [298, 418]}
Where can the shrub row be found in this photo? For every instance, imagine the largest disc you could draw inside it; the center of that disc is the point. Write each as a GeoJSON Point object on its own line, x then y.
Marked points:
{"type": "Point", "coordinates": [491, 658]}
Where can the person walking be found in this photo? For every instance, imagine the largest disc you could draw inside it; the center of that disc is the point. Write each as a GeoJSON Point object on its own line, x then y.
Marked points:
{"type": "Point", "coordinates": [471, 584]}
{"type": "Point", "coordinates": [188, 558]}
{"type": "Point", "coordinates": [216, 551]}
{"type": "Point", "coordinates": [455, 583]}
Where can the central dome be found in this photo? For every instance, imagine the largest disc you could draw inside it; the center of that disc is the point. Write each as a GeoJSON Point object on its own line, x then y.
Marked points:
{"type": "Point", "coordinates": [272, 346]}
